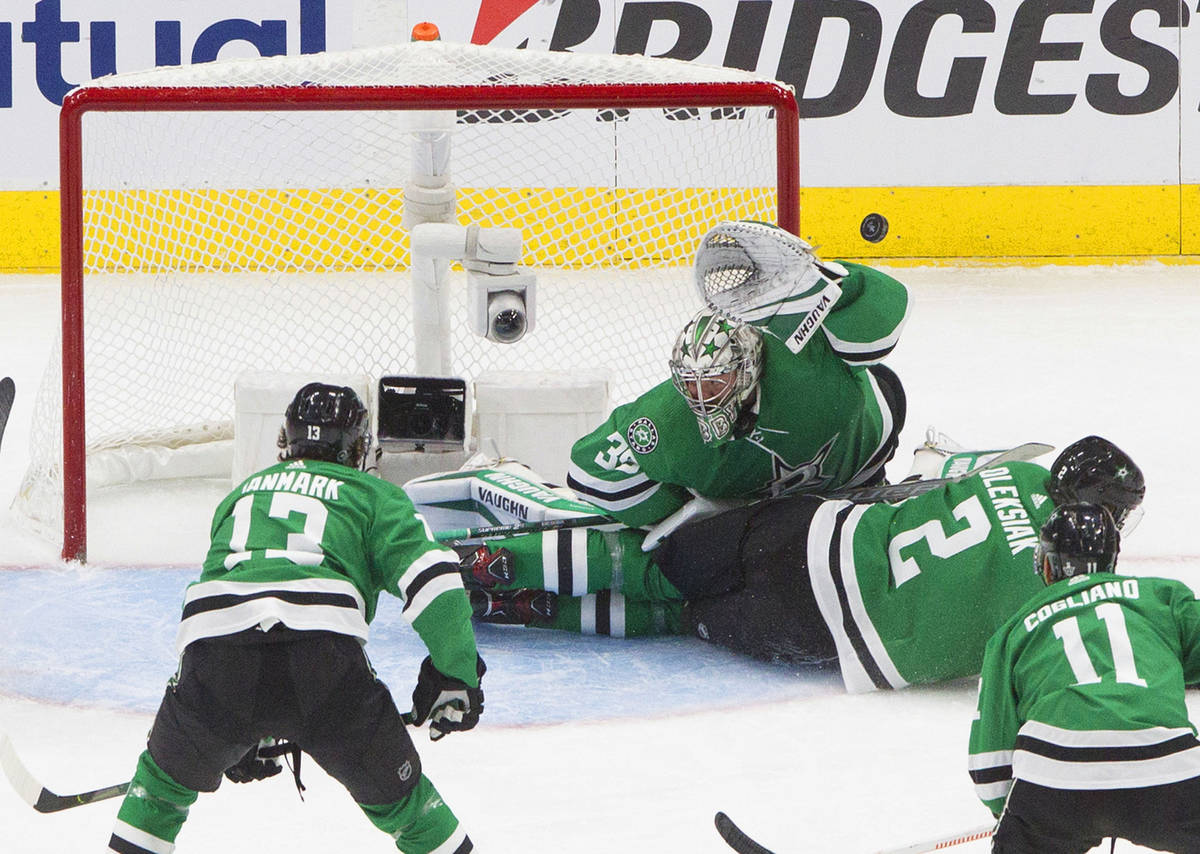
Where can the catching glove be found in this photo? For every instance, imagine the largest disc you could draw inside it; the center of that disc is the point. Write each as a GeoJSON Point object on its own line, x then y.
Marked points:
{"type": "Point", "coordinates": [449, 704]}
{"type": "Point", "coordinates": [263, 760]}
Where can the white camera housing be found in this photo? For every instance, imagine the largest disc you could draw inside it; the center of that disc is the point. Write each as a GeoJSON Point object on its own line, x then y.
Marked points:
{"type": "Point", "coordinates": [501, 308]}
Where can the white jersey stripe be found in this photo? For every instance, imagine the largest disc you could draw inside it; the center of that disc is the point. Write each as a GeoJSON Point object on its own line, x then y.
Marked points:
{"type": "Point", "coordinates": [989, 759]}
{"type": "Point", "coordinates": [141, 838]}
{"type": "Point", "coordinates": [203, 589]}
{"type": "Point", "coordinates": [587, 614]}
{"type": "Point", "coordinates": [1135, 773]}
{"type": "Point", "coordinates": [579, 575]}
{"type": "Point", "coordinates": [266, 612]}
{"type": "Point", "coordinates": [616, 616]}
{"type": "Point", "coordinates": [991, 791]}
{"type": "Point", "coordinates": [824, 591]}
{"type": "Point", "coordinates": [857, 607]}
{"type": "Point", "coordinates": [598, 484]}
{"type": "Point", "coordinates": [550, 562]}
{"type": "Point", "coordinates": [1102, 737]}
{"type": "Point", "coordinates": [888, 342]}
{"type": "Point", "coordinates": [430, 558]}
{"type": "Point", "coordinates": [868, 470]}
{"type": "Point", "coordinates": [457, 838]}
{"type": "Point", "coordinates": [432, 589]}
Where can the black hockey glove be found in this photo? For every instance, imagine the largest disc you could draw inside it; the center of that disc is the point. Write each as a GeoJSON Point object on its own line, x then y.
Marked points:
{"type": "Point", "coordinates": [449, 704]}
{"type": "Point", "coordinates": [256, 765]}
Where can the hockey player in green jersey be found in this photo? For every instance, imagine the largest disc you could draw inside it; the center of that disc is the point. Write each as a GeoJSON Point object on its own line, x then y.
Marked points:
{"type": "Point", "coordinates": [894, 594]}
{"type": "Point", "coordinates": [776, 386]}
{"type": "Point", "coordinates": [271, 642]}
{"type": "Point", "coordinates": [1082, 730]}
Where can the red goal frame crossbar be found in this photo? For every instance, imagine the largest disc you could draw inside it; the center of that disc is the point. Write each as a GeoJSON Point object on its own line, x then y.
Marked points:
{"type": "Point", "coordinates": [324, 98]}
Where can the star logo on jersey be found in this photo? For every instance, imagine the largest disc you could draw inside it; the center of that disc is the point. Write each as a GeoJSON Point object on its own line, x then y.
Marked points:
{"type": "Point", "coordinates": [806, 477]}
{"type": "Point", "coordinates": [1122, 473]}
{"type": "Point", "coordinates": [642, 435]}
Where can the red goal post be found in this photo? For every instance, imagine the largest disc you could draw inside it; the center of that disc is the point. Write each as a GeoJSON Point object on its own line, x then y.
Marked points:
{"type": "Point", "coordinates": [492, 98]}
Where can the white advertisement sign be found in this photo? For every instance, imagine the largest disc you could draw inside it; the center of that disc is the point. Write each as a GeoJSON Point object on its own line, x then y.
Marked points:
{"type": "Point", "coordinates": [895, 92]}
{"type": "Point", "coordinates": [49, 46]}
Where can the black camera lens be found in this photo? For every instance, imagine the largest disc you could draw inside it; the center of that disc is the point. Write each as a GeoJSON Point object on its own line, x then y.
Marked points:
{"type": "Point", "coordinates": [509, 325]}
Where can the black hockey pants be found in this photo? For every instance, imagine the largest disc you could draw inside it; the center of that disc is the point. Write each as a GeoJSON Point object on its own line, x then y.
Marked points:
{"type": "Point", "coordinates": [744, 574]}
{"type": "Point", "coordinates": [1041, 820]}
{"type": "Point", "coordinates": [314, 688]}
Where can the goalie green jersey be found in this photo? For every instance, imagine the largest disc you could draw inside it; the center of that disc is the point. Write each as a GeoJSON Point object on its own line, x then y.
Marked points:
{"type": "Point", "coordinates": [822, 420]}
{"type": "Point", "coordinates": [1083, 688]}
{"type": "Point", "coordinates": [311, 545]}
{"type": "Point", "coordinates": [911, 592]}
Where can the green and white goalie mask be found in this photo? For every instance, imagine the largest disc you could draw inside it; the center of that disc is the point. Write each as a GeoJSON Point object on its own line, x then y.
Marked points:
{"type": "Point", "coordinates": [748, 270]}
{"type": "Point", "coordinates": [715, 365]}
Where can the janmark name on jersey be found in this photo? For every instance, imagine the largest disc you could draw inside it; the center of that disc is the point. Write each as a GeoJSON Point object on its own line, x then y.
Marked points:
{"type": "Point", "coordinates": [1127, 589]}
{"type": "Point", "coordinates": [1011, 513]}
{"type": "Point", "coordinates": [302, 482]}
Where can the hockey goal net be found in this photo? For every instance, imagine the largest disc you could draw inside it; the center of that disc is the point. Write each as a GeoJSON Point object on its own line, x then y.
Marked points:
{"type": "Point", "coordinates": [249, 215]}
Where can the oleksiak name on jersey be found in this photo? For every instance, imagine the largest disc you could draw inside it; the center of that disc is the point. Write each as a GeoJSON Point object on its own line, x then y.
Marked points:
{"type": "Point", "coordinates": [911, 592]}
{"type": "Point", "coordinates": [311, 545]}
{"type": "Point", "coordinates": [821, 419]}
{"type": "Point", "coordinates": [1083, 688]}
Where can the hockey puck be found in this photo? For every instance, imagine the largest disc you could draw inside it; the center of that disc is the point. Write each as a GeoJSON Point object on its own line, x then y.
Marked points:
{"type": "Point", "coordinates": [873, 228]}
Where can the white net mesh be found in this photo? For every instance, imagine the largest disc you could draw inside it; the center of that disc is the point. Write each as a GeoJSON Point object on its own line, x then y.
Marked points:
{"type": "Point", "coordinates": [222, 241]}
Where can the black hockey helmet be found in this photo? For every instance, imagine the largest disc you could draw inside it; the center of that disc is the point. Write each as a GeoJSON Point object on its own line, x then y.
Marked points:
{"type": "Point", "coordinates": [1095, 470]}
{"type": "Point", "coordinates": [1077, 539]}
{"type": "Point", "coordinates": [325, 422]}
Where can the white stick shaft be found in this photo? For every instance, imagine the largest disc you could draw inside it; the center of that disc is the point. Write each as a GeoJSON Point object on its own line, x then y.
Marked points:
{"type": "Point", "coordinates": [943, 842]}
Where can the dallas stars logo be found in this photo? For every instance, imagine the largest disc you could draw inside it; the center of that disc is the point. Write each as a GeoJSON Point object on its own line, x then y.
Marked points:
{"type": "Point", "coordinates": [806, 476]}
{"type": "Point", "coordinates": [642, 435]}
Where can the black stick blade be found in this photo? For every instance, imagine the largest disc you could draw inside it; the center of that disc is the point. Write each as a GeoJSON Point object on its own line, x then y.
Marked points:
{"type": "Point", "coordinates": [735, 838]}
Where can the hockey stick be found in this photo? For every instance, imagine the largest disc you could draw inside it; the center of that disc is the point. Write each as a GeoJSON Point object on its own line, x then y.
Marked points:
{"type": "Point", "coordinates": [523, 528]}
{"type": "Point", "coordinates": [38, 796]}
{"type": "Point", "coordinates": [909, 488]}
{"type": "Point", "coordinates": [860, 494]}
{"type": "Point", "coordinates": [735, 838]}
{"type": "Point", "coordinates": [8, 392]}
{"type": "Point", "coordinates": [942, 842]}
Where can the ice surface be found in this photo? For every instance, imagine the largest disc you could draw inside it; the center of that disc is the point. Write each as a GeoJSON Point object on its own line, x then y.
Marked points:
{"type": "Point", "coordinates": [592, 744]}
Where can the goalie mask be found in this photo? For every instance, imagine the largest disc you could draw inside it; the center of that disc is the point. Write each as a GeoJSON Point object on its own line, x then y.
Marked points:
{"type": "Point", "coordinates": [715, 365]}
{"type": "Point", "coordinates": [1077, 539]}
{"type": "Point", "coordinates": [746, 269]}
{"type": "Point", "coordinates": [1096, 471]}
{"type": "Point", "coordinates": [325, 422]}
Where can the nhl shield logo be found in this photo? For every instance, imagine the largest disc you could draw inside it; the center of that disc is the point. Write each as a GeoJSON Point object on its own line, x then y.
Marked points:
{"type": "Point", "coordinates": [642, 435]}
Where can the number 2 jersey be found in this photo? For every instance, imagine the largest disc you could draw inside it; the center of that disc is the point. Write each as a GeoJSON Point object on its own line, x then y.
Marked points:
{"type": "Point", "coordinates": [311, 545]}
{"type": "Point", "coordinates": [1083, 688]}
{"type": "Point", "coordinates": [911, 592]}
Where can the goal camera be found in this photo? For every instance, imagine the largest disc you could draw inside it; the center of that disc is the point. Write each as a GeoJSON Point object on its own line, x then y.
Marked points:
{"type": "Point", "coordinates": [416, 413]}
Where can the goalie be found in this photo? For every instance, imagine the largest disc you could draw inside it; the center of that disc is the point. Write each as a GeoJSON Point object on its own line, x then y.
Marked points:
{"type": "Point", "coordinates": [893, 594]}
{"type": "Point", "coordinates": [776, 386]}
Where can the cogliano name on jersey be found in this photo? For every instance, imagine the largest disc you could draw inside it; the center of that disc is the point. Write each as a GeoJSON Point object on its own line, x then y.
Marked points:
{"type": "Point", "coordinates": [1127, 589]}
